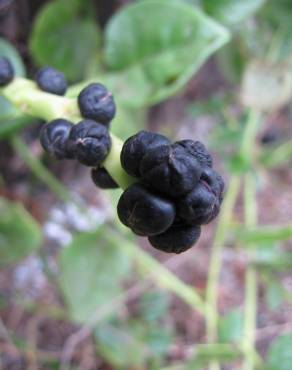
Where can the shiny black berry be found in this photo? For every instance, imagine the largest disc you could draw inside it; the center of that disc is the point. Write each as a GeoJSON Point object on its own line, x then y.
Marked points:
{"type": "Point", "coordinates": [97, 103]}
{"type": "Point", "coordinates": [52, 81]}
{"type": "Point", "coordinates": [136, 147]}
{"type": "Point", "coordinates": [90, 142]}
{"type": "Point", "coordinates": [177, 239]}
{"type": "Point", "coordinates": [170, 170]}
{"type": "Point", "coordinates": [103, 179]}
{"type": "Point", "coordinates": [198, 150]}
{"type": "Point", "coordinates": [144, 212]}
{"type": "Point", "coordinates": [54, 137]}
{"type": "Point", "coordinates": [202, 204]}
{"type": "Point", "coordinates": [6, 71]}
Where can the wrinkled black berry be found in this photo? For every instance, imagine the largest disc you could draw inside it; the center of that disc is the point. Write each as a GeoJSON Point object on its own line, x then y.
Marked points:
{"type": "Point", "coordinates": [52, 81]}
{"type": "Point", "coordinates": [145, 213]}
{"type": "Point", "coordinates": [103, 179]}
{"type": "Point", "coordinates": [90, 142]}
{"type": "Point", "coordinates": [54, 136]}
{"type": "Point", "coordinates": [198, 150]}
{"type": "Point", "coordinates": [202, 204]}
{"type": "Point", "coordinates": [97, 103]}
{"type": "Point", "coordinates": [170, 170]}
{"type": "Point", "coordinates": [6, 71]}
{"type": "Point", "coordinates": [177, 239]}
{"type": "Point", "coordinates": [135, 147]}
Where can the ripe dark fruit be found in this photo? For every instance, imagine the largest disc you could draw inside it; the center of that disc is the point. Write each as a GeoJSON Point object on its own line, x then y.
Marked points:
{"type": "Point", "coordinates": [202, 204]}
{"type": "Point", "coordinates": [97, 103]}
{"type": "Point", "coordinates": [198, 150]}
{"type": "Point", "coordinates": [54, 136]}
{"type": "Point", "coordinates": [52, 81]}
{"type": "Point", "coordinates": [177, 239]}
{"type": "Point", "coordinates": [170, 170]}
{"type": "Point", "coordinates": [6, 71]}
{"type": "Point", "coordinates": [136, 147]}
{"type": "Point", "coordinates": [214, 181]}
{"type": "Point", "coordinates": [145, 213]}
{"type": "Point", "coordinates": [90, 142]}
{"type": "Point", "coordinates": [102, 179]}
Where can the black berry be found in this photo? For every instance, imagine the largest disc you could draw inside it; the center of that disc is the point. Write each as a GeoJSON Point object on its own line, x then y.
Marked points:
{"type": "Point", "coordinates": [135, 147]}
{"type": "Point", "coordinates": [6, 71]}
{"type": "Point", "coordinates": [102, 179]}
{"type": "Point", "coordinates": [145, 213]}
{"type": "Point", "coordinates": [177, 239]}
{"type": "Point", "coordinates": [202, 204]}
{"type": "Point", "coordinates": [170, 170]}
{"type": "Point", "coordinates": [54, 136]}
{"type": "Point", "coordinates": [198, 150]}
{"type": "Point", "coordinates": [52, 81]}
{"type": "Point", "coordinates": [97, 103]}
{"type": "Point", "coordinates": [90, 142]}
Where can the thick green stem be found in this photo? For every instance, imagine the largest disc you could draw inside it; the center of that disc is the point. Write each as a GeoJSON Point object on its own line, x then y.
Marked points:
{"type": "Point", "coordinates": [215, 262]}
{"type": "Point", "coordinates": [29, 99]}
{"type": "Point", "coordinates": [250, 279]}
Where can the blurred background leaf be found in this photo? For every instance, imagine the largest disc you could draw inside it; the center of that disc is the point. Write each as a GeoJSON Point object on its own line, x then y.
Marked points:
{"type": "Point", "coordinates": [20, 234]}
{"type": "Point", "coordinates": [280, 355]}
{"type": "Point", "coordinates": [230, 327]}
{"type": "Point", "coordinates": [91, 270]}
{"type": "Point", "coordinates": [76, 28]}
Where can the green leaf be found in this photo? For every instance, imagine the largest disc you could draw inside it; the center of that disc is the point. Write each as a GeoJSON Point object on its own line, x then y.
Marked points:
{"type": "Point", "coordinates": [153, 305]}
{"type": "Point", "coordinates": [91, 271]}
{"type": "Point", "coordinates": [20, 235]}
{"type": "Point", "coordinates": [118, 345]}
{"type": "Point", "coordinates": [280, 355]}
{"type": "Point", "coordinates": [9, 51]}
{"type": "Point", "coordinates": [65, 38]}
{"type": "Point", "coordinates": [231, 327]}
{"type": "Point", "coordinates": [132, 344]}
{"type": "Point", "coordinates": [231, 12]}
{"type": "Point", "coordinates": [7, 111]}
{"type": "Point", "coordinates": [274, 294]}
{"type": "Point", "coordinates": [155, 46]}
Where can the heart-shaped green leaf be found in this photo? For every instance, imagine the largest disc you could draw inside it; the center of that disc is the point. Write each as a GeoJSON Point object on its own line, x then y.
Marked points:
{"type": "Point", "coordinates": [91, 270]}
{"type": "Point", "coordinates": [154, 47]}
{"type": "Point", "coordinates": [65, 37]}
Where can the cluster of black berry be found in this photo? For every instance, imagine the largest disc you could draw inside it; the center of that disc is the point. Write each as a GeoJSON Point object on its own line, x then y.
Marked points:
{"type": "Point", "coordinates": [176, 189]}
{"type": "Point", "coordinates": [88, 141]}
{"type": "Point", "coordinates": [176, 192]}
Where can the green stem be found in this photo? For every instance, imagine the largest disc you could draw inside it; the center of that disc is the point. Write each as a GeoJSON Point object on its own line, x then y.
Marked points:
{"type": "Point", "coordinates": [215, 261]}
{"type": "Point", "coordinates": [250, 279]}
{"type": "Point", "coordinates": [39, 170]}
{"type": "Point", "coordinates": [26, 96]}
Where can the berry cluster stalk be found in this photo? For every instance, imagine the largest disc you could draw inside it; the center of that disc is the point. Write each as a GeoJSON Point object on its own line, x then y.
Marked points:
{"type": "Point", "coordinates": [30, 100]}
